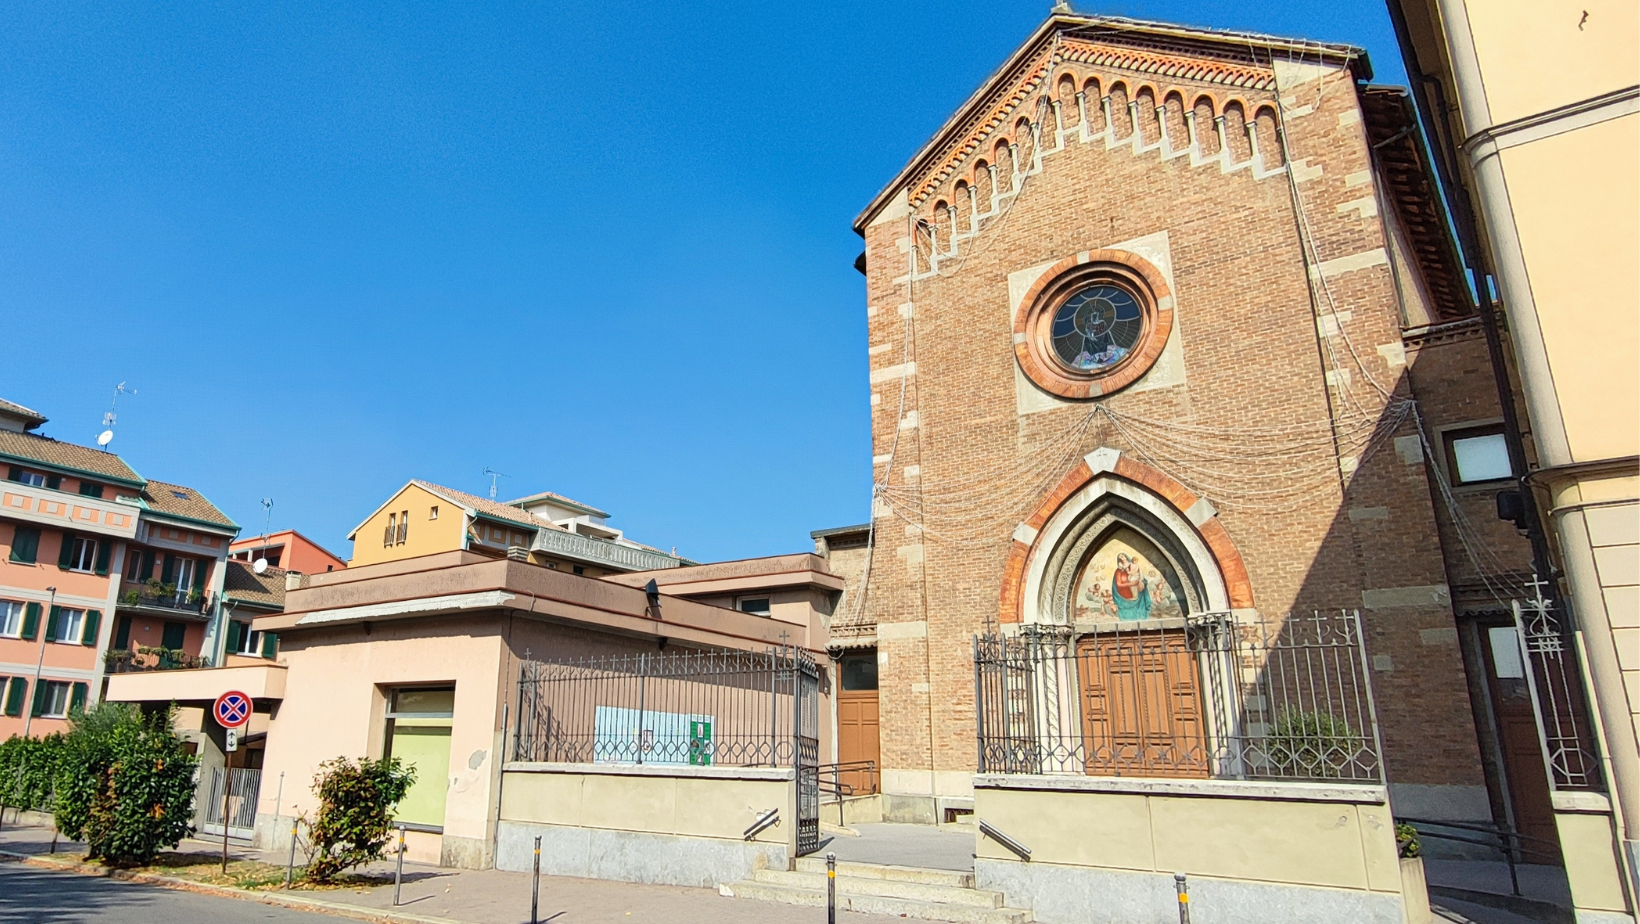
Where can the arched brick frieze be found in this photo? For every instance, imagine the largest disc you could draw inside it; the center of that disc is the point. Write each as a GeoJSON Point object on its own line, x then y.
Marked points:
{"type": "Point", "coordinates": [1107, 476]}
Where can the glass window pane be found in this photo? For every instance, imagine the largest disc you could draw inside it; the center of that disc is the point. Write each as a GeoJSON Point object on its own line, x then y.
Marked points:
{"type": "Point", "coordinates": [1481, 458]}
{"type": "Point", "coordinates": [425, 702]}
{"type": "Point", "coordinates": [758, 605]}
{"type": "Point", "coordinates": [1506, 661]}
{"type": "Point", "coordinates": [860, 672]}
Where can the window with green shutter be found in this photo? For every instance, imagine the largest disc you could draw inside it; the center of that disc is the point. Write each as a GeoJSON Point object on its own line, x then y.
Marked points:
{"type": "Point", "coordinates": [54, 482]}
{"type": "Point", "coordinates": [270, 645]}
{"type": "Point", "coordinates": [52, 623]}
{"type": "Point", "coordinates": [169, 571]}
{"type": "Point", "coordinates": [31, 621]}
{"type": "Point", "coordinates": [236, 636]}
{"type": "Point", "coordinates": [65, 554]}
{"type": "Point", "coordinates": [105, 549]}
{"type": "Point", "coordinates": [91, 489]}
{"type": "Point", "coordinates": [16, 696]}
{"type": "Point", "coordinates": [39, 704]}
{"type": "Point", "coordinates": [93, 622]}
{"type": "Point", "coordinates": [199, 576]}
{"type": "Point", "coordinates": [173, 635]}
{"type": "Point", "coordinates": [122, 633]}
{"type": "Point", "coordinates": [76, 699]}
{"type": "Point", "coordinates": [25, 545]}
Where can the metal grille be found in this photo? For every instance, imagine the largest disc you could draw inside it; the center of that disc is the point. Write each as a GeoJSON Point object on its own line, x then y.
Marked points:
{"type": "Point", "coordinates": [241, 800]}
{"type": "Point", "coordinates": [1204, 696]}
{"type": "Point", "coordinates": [1555, 681]}
{"type": "Point", "coordinates": [686, 708]}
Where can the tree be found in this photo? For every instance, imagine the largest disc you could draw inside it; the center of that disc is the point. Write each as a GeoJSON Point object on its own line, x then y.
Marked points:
{"type": "Point", "coordinates": [125, 784]}
{"type": "Point", "coordinates": [1318, 745]}
{"type": "Point", "coordinates": [28, 767]}
{"type": "Point", "coordinates": [355, 818]}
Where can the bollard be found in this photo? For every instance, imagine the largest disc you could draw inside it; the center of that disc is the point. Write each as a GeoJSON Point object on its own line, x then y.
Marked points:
{"type": "Point", "coordinates": [291, 864]}
{"type": "Point", "coordinates": [831, 888]}
{"type": "Point", "coordinates": [1180, 886]}
{"type": "Point", "coordinates": [535, 884]}
{"type": "Point", "coordinates": [398, 872]}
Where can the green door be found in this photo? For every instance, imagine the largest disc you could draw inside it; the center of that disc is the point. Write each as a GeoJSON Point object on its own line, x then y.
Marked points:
{"type": "Point", "coordinates": [427, 748]}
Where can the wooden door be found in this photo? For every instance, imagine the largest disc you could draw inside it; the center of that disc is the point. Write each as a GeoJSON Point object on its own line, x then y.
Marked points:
{"type": "Point", "coordinates": [857, 738]}
{"type": "Point", "coordinates": [1526, 781]}
{"type": "Point", "coordinates": [1141, 705]}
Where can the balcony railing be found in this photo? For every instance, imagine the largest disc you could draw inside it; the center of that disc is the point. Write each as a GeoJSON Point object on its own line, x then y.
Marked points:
{"type": "Point", "coordinates": [143, 658]}
{"type": "Point", "coordinates": [600, 551]}
{"type": "Point", "coordinates": [183, 601]}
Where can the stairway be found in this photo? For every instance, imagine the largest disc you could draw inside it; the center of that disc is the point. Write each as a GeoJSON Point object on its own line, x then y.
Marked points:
{"type": "Point", "coordinates": [870, 888]}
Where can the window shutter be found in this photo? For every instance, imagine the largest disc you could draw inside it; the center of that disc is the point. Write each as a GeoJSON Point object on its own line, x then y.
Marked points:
{"type": "Point", "coordinates": [16, 474]}
{"type": "Point", "coordinates": [31, 621]}
{"type": "Point", "coordinates": [25, 545]}
{"type": "Point", "coordinates": [52, 620]}
{"type": "Point", "coordinates": [104, 550]}
{"type": "Point", "coordinates": [93, 622]}
{"type": "Point", "coordinates": [19, 693]}
{"type": "Point", "coordinates": [270, 645]}
{"type": "Point", "coordinates": [39, 699]}
{"type": "Point", "coordinates": [146, 572]}
{"type": "Point", "coordinates": [169, 572]}
{"type": "Point", "coordinates": [199, 575]}
{"type": "Point", "coordinates": [122, 633]}
{"type": "Point", "coordinates": [236, 635]}
{"type": "Point", "coordinates": [76, 699]}
{"type": "Point", "coordinates": [54, 482]}
{"type": "Point", "coordinates": [173, 636]}
{"type": "Point", "coordinates": [65, 555]}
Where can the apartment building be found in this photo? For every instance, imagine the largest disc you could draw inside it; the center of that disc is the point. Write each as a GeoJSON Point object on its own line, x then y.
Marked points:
{"type": "Point", "coordinates": [101, 570]}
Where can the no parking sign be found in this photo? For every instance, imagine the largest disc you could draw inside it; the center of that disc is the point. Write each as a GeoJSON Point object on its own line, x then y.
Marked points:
{"type": "Point", "coordinates": [232, 709]}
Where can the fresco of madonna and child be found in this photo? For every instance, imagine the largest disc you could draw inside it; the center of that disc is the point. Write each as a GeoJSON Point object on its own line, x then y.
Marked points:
{"type": "Point", "coordinates": [1127, 579]}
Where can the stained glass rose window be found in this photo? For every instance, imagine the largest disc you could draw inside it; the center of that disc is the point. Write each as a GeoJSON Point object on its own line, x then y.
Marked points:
{"type": "Point", "coordinates": [1096, 327]}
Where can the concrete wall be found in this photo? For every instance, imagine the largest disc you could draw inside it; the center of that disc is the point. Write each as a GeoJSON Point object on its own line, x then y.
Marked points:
{"type": "Point", "coordinates": [1105, 850]}
{"type": "Point", "coordinates": [335, 706]}
{"type": "Point", "coordinates": [667, 825]}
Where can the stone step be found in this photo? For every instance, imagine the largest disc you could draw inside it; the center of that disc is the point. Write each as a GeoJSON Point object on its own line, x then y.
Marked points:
{"type": "Point", "coordinates": [885, 888]}
{"type": "Point", "coordinates": [956, 879]}
{"type": "Point", "coordinates": [876, 904]}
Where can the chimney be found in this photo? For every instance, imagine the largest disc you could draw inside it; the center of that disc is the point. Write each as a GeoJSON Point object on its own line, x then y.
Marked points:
{"type": "Point", "coordinates": [294, 580]}
{"type": "Point", "coordinates": [518, 553]}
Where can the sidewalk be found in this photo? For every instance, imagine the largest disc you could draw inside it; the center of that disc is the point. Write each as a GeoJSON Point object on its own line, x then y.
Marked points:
{"type": "Point", "coordinates": [491, 897]}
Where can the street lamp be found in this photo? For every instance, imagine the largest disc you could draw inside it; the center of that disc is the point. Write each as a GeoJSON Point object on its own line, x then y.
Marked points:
{"type": "Point", "coordinates": [39, 664]}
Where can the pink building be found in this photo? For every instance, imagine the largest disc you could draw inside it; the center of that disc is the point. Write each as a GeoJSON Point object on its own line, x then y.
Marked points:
{"type": "Point", "coordinates": [100, 570]}
{"type": "Point", "coordinates": [287, 550]}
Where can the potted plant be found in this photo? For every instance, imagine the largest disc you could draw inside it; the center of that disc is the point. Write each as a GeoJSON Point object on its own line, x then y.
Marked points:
{"type": "Point", "coordinates": [1414, 887]}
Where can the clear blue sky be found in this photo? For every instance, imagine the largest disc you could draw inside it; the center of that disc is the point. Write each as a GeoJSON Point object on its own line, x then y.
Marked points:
{"type": "Point", "coordinates": [601, 247]}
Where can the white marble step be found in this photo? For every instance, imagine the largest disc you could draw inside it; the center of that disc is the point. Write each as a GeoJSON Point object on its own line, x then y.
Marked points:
{"type": "Point", "coordinates": [885, 888]}
{"type": "Point", "coordinates": [876, 904]}
{"type": "Point", "coordinates": [956, 879]}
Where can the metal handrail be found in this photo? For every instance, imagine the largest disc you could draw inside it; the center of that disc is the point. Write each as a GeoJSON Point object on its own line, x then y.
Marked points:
{"type": "Point", "coordinates": [841, 789]}
{"type": "Point", "coordinates": [771, 817]}
{"type": "Point", "coordinates": [1014, 847]}
{"type": "Point", "coordinates": [1513, 842]}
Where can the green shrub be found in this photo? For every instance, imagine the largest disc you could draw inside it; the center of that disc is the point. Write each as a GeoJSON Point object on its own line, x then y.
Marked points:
{"type": "Point", "coordinates": [1406, 841]}
{"type": "Point", "coordinates": [355, 818]}
{"type": "Point", "coordinates": [125, 785]}
{"type": "Point", "coordinates": [28, 768]}
{"type": "Point", "coordinates": [1317, 745]}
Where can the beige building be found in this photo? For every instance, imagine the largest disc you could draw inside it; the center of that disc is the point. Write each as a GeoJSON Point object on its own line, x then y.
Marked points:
{"type": "Point", "coordinates": [1534, 116]}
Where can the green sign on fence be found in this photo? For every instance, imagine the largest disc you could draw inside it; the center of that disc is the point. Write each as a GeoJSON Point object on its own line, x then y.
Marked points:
{"type": "Point", "coordinates": [700, 742]}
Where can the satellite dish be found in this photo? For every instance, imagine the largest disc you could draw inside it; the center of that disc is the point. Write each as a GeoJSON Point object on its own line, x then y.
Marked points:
{"type": "Point", "coordinates": [260, 565]}
{"type": "Point", "coordinates": [105, 437]}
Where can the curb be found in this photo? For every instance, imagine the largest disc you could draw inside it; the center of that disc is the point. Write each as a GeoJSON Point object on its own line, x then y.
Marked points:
{"type": "Point", "coordinates": [284, 900]}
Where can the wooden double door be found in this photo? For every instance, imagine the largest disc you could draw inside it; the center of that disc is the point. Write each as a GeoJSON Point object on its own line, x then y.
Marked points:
{"type": "Point", "coordinates": [1142, 705]}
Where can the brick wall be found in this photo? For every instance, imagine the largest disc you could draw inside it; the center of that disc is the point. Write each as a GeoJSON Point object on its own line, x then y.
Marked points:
{"type": "Point", "coordinates": [967, 451]}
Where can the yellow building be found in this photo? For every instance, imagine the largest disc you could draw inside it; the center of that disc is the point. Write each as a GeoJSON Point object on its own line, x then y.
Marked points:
{"type": "Point", "coordinates": [548, 529]}
{"type": "Point", "coordinates": [1534, 117]}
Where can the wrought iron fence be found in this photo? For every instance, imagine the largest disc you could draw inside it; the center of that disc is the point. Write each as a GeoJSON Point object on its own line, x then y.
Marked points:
{"type": "Point", "coordinates": [682, 708]}
{"type": "Point", "coordinates": [1555, 682]}
{"type": "Point", "coordinates": [1204, 696]}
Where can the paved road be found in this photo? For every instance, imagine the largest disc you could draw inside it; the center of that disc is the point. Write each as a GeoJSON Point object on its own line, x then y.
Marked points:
{"type": "Point", "coordinates": [29, 895]}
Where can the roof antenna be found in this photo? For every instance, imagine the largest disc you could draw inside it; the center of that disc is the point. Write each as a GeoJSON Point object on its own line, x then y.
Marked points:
{"type": "Point", "coordinates": [107, 436]}
{"type": "Point", "coordinates": [493, 475]}
{"type": "Point", "coordinates": [261, 563]}
{"type": "Point", "coordinates": [1060, 6]}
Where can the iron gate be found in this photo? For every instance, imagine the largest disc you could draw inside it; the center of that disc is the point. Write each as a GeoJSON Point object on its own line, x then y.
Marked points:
{"type": "Point", "coordinates": [679, 708]}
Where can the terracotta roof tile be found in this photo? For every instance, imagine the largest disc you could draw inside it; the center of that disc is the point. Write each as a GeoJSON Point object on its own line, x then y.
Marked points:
{"type": "Point", "coordinates": [31, 447]}
{"type": "Point", "coordinates": [181, 501]}
{"type": "Point", "coordinates": [17, 410]}
{"type": "Point", "coordinates": [487, 506]}
{"type": "Point", "coordinates": [243, 583]}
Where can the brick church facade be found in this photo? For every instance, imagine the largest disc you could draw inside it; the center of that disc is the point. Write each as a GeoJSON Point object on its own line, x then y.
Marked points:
{"type": "Point", "coordinates": [1193, 283]}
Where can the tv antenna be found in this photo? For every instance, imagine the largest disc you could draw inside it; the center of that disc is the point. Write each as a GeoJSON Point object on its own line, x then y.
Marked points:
{"type": "Point", "coordinates": [493, 475]}
{"type": "Point", "coordinates": [107, 436]}
{"type": "Point", "coordinates": [261, 563]}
